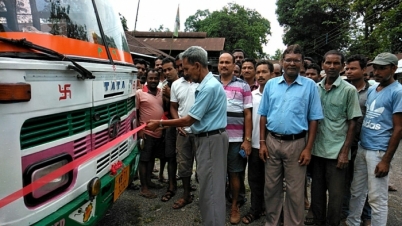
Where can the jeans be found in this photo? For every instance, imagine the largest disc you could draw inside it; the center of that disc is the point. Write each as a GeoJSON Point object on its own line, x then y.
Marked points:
{"type": "Point", "coordinates": [365, 181]}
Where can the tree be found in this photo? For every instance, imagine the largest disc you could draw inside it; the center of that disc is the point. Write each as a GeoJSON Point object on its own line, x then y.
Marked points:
{"type": "Point", "coordinates": [380, 27]}
{"type": "Point", "coordinates": [277, 55]}
{"type": "Point", "coordinates": [160, 29]}
{"type": "Point", "coordinates": [318, 26]}
{"type": "Point", "coordinates": [241, 27]}
{"type": "Point", "coordinates": [123, 22]}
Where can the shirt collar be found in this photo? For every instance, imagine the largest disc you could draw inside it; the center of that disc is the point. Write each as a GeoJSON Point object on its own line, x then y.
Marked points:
{"type": "Point", "coordinates": [298, 80]}
{"type": "Point", "coordinates": [336, 83]}
{"type": "Point", "coordinates": [204, 81]}
{"type": "Point", "coordinates": [234, 78]}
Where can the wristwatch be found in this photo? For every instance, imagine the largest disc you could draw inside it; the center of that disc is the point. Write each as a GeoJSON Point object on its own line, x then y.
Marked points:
{"type": "Point", "coordinates": [160, 123]}
{"type": "Point", "coordinates": [248, 139]}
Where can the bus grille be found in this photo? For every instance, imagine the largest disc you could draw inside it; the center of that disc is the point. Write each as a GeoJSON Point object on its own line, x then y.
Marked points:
{"type": "Point", "coordinates": [106, 112]}
{"type": "Point", "coordinates": [49, 128]}
{"type": "Point", "coordinates": [102, 137]}
{"type": "Point", "coordinates": [82, 146]}
{"type": "Point", "coordinates": [44, 129]}
{"type": "Point", "coordinates": [111, 157]}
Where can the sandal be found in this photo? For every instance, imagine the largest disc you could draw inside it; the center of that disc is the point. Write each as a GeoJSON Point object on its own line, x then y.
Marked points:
{"type": "Point", "coordinates": [392, 188]}
{"type": "Point", "coordinates": [249, 218]}
{"type": "Point", "coordinates": [182, 203]}
{"type": "Point", "coordinates": [148, 195]}
{"type": "Point", "coordinates": [168, 195]}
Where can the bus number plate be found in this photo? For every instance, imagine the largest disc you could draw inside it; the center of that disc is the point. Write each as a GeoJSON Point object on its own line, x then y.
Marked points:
{"type": "Point", "coordinates": [121, 182]}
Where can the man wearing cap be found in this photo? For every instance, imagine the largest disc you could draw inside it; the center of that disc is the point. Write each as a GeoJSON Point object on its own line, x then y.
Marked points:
{"type": "Point", "coordinates": [380, 136]}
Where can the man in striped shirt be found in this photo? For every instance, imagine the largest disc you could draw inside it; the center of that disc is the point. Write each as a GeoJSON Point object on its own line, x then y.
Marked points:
{"type": "Point", "coordinates": [239, 126]}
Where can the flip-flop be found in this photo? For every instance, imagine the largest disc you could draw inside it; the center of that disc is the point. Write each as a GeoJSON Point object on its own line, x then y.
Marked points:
{"type": "Point", "coordinates": [182, 203]}
{"type": "Point", "coordinates": [168, 195]}
{"type": "Point", "coordinates": [148, 195]}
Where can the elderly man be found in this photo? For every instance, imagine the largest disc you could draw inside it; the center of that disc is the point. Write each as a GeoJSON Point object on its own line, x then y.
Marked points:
{"type": "Point", "coordinates": [208, 120]}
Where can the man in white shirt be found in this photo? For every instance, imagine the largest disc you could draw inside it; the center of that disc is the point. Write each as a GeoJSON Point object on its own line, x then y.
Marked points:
{"type": "Point", "coordinates": [182, 96]}
{"type": "Point", "coordinates": [264, 72]}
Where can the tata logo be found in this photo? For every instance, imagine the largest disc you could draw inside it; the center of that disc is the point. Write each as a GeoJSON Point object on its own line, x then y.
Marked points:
{"type": "Point", "coordinates": [114, 85]}
{"type": "Point", "coordinates": [114, 127]}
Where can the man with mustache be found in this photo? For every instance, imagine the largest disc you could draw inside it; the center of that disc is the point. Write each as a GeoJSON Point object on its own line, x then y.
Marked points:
{"type": "Point", "coordinates": [248, 73]}
{"type": "Point", "coordinates": [335, 135]}
{"type": "Point", "coordinates": [207, 118]}
{"type": "Point", "coordinates": [380, 137]}
{"type": "Point", "coordinates": [181, 100]}
{"type": "Point", "coordinates": [179, 64]}
{"type": "Point", "coordinates": [255, 164]}
{"type": "Point", "coordinates": [239, 126]}
{"type": "Point", "coordinates": [170, 72]}
{"type": "Point", "coordinates": [290, 109]}
{"type": "Point", "coordinates": [149, 106]}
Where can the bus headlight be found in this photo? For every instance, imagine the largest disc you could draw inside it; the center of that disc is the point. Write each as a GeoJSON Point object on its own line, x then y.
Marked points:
{"type": "Point", "coordinates": [52, 188]}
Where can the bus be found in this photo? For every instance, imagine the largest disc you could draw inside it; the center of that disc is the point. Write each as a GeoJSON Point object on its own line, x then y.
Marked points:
{"type": "Point", "coordinates": [67, 111]}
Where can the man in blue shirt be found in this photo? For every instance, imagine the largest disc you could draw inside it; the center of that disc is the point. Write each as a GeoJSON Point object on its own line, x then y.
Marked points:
{"type": "Point", "coordinates": [290, 108]}
{"type": "Point", "coordinates": [208, 121]}
{"type": "Point", "coordinates": [379, 138]}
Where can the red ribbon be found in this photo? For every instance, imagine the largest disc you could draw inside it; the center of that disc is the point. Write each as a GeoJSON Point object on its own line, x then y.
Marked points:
{"type": "Point", "coordinates": [64, 169]}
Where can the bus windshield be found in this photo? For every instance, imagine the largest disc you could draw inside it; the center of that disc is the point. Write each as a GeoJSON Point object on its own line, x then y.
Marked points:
{"type": "Point", "coordinates": [65, 19]}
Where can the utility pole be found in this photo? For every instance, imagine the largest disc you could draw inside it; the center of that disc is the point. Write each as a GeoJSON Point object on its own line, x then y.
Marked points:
{"type": "Point", "coordinates": [136, 17]}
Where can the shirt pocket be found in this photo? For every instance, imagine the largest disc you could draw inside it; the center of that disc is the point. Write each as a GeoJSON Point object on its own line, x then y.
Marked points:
{"type": "Point", "coordinates": [298, 109]}
{"type": "Point", "coordinates": [335, 110]}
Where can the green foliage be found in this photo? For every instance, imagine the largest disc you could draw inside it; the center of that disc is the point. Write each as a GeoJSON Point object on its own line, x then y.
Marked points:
{"type": "Point", "coordinates": [318, 26]}
{"type": "Point", "coordinates": [352, 26]}
{"type": "Point", "coordinates": [160, 29]}
{"type": "Point", "coordinates": [380, 28]}
{"type": "Point", "coordinates": [277, 55]}
{"type": "Point", "coordinates": [241, 27]}
{"type": "Point", "coordinates": [123, 22]}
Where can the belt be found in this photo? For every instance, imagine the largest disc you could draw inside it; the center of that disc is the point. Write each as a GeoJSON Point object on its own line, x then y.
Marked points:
{"type": "Point", "coordinates": [235, 114]}
{"type": "Point", "coordinates": [288, 137]}
{"type": "Point", "coordinates": [210, 133]}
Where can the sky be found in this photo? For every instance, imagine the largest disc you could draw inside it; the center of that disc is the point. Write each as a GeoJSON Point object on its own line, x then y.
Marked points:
{"type": "Point", "coordinates": [153, 13]}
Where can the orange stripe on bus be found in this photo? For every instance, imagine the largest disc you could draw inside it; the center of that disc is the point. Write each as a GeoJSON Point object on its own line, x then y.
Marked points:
{"type": "Point", "coordinates": [64, 45]}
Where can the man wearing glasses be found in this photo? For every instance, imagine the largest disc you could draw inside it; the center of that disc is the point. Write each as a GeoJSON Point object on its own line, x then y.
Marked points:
{"type": "Point", "coordinates": [379, 139]}
{"type": "Point", "coordinates": [290, 109]}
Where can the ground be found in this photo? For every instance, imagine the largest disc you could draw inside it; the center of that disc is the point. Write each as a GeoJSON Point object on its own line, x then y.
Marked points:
{"type": "Point", "coordinates": [131, 209]}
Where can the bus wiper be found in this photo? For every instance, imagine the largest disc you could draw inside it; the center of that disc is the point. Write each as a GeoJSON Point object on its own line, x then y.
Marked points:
{"type": "Point", "coordinates": [84, 73]}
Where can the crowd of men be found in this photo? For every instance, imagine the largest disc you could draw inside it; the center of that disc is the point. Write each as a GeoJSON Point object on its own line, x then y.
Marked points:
{"type": "Point", "coordinates": [275, 119]}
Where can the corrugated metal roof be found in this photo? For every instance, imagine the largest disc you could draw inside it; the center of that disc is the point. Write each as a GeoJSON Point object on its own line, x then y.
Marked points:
{"type": "Point", "coordinates": [164, 40]}
{"type": "Point", "coordinates": [150, 34]}
{"type": "Point", "coordinates": [209, 44]}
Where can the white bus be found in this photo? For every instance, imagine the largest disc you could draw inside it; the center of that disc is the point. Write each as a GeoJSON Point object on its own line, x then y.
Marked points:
{"type": "Point", "coordinates": [67, 86]}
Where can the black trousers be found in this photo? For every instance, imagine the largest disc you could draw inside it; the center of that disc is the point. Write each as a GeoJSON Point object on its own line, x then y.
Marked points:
{"type": "Point", "coordinates": [327, 177]}
{"type": "Point", "coordinates": [256, 180]}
